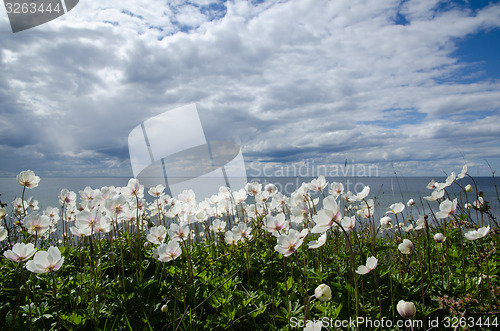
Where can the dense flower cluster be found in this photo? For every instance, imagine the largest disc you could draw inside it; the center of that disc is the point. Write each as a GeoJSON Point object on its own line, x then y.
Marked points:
{"type": "Point", "coordinates": [301, 221]}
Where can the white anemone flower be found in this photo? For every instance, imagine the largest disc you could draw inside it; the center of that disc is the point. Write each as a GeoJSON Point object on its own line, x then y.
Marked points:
{"type": "Point", "coordinates": [386, 223]}
{"type": "Point", "coordinates": [463, 172]}
{"type": "Point", "coordinates": [168, 252]}
{"type": "Point", "coordinates": [133, 189]}
{"type": "Point", "coordinates": [271, 188]}
{"type": "Point", "coordinates": [289, 243]}
{"type": "Point", "coordinates": [371, 264]}
{"type": "Point", "coordinates": [36, 224]}
{"type": "Point", "coordinates": [232, 237]}
{"type": "Point", "coordinates": [3, 233]}
{"type": "Point", "coordinates": [46, 261]}
{"type": "Point", "coordinates": [328, 216]}
{"type": "Point", "coordinates": [157, 235]}
{"type": "Point", "coordinates": [243, 231]}
{"type": "Point", "coordinates": [336, 189]}
{"type": "Point", "coordinates": [396, 208]}
{"type": "Point", "coordinates": [439, 237]}
{"type": "Point", "coordinates": [79, 232]}
{"type": "Point", "coordinates": [67, 197]}
{"type": "Point", "coordinates": [240, 196]}
{"type": "Point", "coordinates": [218, 226]}
{"type": "Point", "coordinates": [156, 191]}
{"type": "Point", "coordinates": [363, 194]}
{"type": "Point", "coordinates": [477, 234]}
{"type": "Point", "coordinates": [420, 223]}
{"type": "Point", "coordinates": [313, 325]}
{"type": "Point", "coordinates": [348, 223]}
{"type": "Point", "coordinates": [446, 208]}
{"type": "Point", "coordinates": [323, 293]}
{"type": "Point", "coordinates": [319, 242]}
{"type": "Point", "coordinates": [27, 179]}
{"type": "Point", "coordinates": [435, 195]}
{"type": "Point", "coordinates": [276, 225]}
{"type": "Point", "coordinates": [253, 188]}
{"type": "Point", "coordinates": [20, 252]}
{"type": "Point", "coordinates": [317, 184]}
{"type": "Point", "coordinates": [406, 309]}
{"type": "Point", "coordinates": [367, 208]}
{"type": "Point", "coordinates": [178, 232]}
{"type": "Point", "coordinates": [406, 246]}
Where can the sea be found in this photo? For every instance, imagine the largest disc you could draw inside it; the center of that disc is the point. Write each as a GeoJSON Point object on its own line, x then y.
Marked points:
{"type": "Point", "coordinates": [384, 190]}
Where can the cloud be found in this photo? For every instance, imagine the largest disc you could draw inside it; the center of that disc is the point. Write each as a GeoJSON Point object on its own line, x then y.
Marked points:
{"type": "Point", "coordinates": [376, 82]}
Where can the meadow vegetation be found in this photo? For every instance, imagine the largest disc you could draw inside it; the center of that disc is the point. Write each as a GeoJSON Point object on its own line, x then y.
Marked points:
{"type": "Point", "coordinates": [250, 259]}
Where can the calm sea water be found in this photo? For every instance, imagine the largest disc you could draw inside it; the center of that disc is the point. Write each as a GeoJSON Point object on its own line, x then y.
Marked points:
{"type": "Point", "coordinates": [384, 190]}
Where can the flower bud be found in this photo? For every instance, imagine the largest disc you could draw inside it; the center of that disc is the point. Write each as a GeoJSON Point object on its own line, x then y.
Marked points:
{"type": "Point", "coordinates": [406, 309]}
{"type": "Point", "coordinates": [439, 238]}
{"type": "Point", "coordinates": [323, 292]}
{"type": "Point", "coordinates": [164, 308]}
{"type": "Point", "coordinates": [410, 202]}
{"type": "Point", "coordinates": [468, 188]}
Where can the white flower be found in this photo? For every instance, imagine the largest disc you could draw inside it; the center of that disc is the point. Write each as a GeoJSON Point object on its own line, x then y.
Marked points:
{"type": "Point", "coordinates": [76, 231]}
{"type": "Point", "coordinates": [36, 224]}
{"type": "Point", "coordinates": [232, 238]}
{"type": "Point", "coordinates": [253, 188]}
{"type": "Point", "coordinates": [313, 325]}
{"type": "Point", "coordinates": [168, 252]}
{"type": "Point", "coordinates": [386, 223]}
{"type": "Point", "coordinates": [177, 232]}
{"type": "Point", "coordinates": [371, 263]}
{"type": "Point", "coordinates": [477, 234]}
{"type": "Point", "coordinates": [406, 246]}
{"type": "Point", "coordinates": [243, 231]}
{"type": "Point", "coordinates": [479, 203]}
{"type": "Point", "coordinates": [348, 223]}
{"type": "Point", "coordinates": [367, 208]}
{"type": "Point", "coordinates": [157, 235]}
{"type": "Point", "coordinates": [323, 292]}
{"type": "Point", "coordinates": [327, 216]}
{"type": "Point", "coordinates": [218, 226]}
{"type": "Point", "coordinates": [3, 233]}
{"type": "Point", "coordinates": [406, 309]}
{"type": "Point", "coordinates": [271, 188]}
{"type": "Point", "coordinates": [133, 189]}
{"type": "Point", "coordinates": [363, 194]}
{"type": "Point", "coordinates": [319, 242]}
{"type": "Point", "coordinates": [289, 243]}
{"type": "Point", "coordinates": [28, 179]}
{"type": "Point", "coordinates": [446, 208]}
{"type": "Point", "coordinates": [420, 223]}
{"type": "Point", "coordinates": [439, 238]}
{"type": "Point", "coordinates": [336, 189]}
{"type": "Point", "coordinates": [396, 208]}
{"type": "Point", "coordinates": [317, 184]}
{"type": "Point", "coordinates": [276, 224]}
{"type": "Point", "coordinates": [410, 203]}
{"type": "Point", "coordinates": [20, 252]}
{"type": "Point", "coordinates": [435, 195]}
{"type": "Point", "coordinates": [45, 261]}
{"type": "Point", "coordinates": [156, 191]}
{"type": "Point", "coordinates": [463, 172]}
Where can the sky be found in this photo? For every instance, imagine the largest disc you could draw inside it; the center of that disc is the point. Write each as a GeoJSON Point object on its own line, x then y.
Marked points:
{"type": "Point", "coordinates": [411, 87]}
